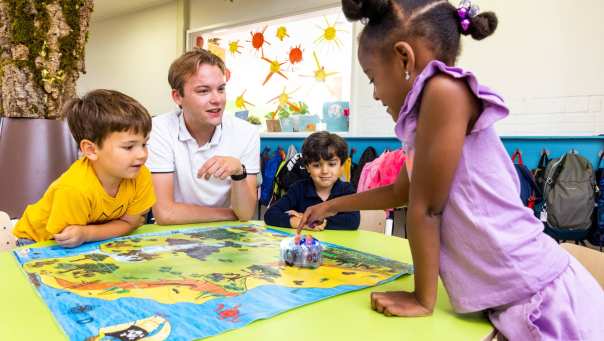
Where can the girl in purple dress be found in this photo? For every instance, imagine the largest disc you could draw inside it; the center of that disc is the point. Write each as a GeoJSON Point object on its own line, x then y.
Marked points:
{"type": "Point", "coordinates": [465, 218]}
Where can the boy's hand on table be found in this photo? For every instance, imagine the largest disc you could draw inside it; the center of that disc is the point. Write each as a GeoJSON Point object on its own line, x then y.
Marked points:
{"type": "Point", "coordinates": [71, 236]}
{"type": "Point", "coordinates": [320, 227]}
{"type": "Point", "coordinates": [294, 217]}
{"type": "Point", "coordinates": [294, 220]}
{"type": "Point", "coordinates": [398, 303]}
{"type": "Point", "coordinates": [142, 220]}
{"type": "Point", "coordinates": [293, 213]}
{"type": "Point", "coordinates": [314, 216]}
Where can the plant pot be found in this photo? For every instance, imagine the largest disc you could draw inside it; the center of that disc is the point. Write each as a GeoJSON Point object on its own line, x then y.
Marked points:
{"type": "Point", "coordinates": [334, 115]}
{"type": "Point", "coordinates": [242, 114]}
{"type": "Point", "coordinates": [305, 122]}
{"type": "Point", "coordinates": [273, 126]}
{"type": "Point", "coordinates": [287, 124]}
{"type": "Point", "coordinates": [33, 153]}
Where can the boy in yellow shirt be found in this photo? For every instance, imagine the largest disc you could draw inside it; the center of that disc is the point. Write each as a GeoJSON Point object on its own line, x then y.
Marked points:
{"type": "Point", "coordinates": [105, 193]}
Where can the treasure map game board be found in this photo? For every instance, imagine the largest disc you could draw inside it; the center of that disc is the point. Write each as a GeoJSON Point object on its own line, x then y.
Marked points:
{"type": "Point", "coordinates": [189, 283]}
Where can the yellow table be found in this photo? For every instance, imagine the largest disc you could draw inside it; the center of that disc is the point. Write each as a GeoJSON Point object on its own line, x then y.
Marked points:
{"type": "Point", "coordinates": [24, 316]}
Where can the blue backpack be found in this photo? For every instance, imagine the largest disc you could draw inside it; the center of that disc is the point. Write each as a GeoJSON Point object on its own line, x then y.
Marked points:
{"type": "Point", "coordinates": [596, 236]}
{"type": "Point", "coordinates": [528, 188]}
{"type": "Point", "coordinates": [268, 176]}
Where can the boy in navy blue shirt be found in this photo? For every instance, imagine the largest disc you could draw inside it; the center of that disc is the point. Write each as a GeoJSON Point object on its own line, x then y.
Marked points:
{"type": "Point", "coordinates": [324, 155]}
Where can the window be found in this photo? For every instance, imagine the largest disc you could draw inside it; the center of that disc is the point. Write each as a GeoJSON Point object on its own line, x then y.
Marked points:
{"type": "Point", "coordinates": [294, 70]}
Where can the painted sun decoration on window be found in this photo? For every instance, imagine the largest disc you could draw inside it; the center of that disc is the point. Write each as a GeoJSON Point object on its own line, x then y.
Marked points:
{"type": "Point", "coordinates": [288, 74]}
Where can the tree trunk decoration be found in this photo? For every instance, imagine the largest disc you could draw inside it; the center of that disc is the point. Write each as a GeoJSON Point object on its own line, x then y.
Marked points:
{"type": "Point", "coordinates": [42, 54]}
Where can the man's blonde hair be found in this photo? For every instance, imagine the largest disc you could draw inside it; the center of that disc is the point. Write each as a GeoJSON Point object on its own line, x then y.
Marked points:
{"type": "Point", "coordinates": [187, 64]}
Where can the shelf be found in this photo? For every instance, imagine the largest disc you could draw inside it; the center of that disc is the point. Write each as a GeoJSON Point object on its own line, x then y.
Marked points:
{"type": "Point", "coordinates": [297, 135]}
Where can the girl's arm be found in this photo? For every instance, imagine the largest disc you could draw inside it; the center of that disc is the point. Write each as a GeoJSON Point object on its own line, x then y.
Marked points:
{"type": "Point", "coordinates": [447, 110]}
{"type": "Point", "coordinates": [345, 220]}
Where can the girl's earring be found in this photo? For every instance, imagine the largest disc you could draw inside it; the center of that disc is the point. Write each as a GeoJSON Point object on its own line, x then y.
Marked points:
{"type": "Point", "coordinates": [407, 75]}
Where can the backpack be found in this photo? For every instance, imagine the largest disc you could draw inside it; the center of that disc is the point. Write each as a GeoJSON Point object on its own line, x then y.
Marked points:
{"type": "Point", "coordinates": [347, 170]}
{"type": "Point", "coordinates": [596, 236]}
{"type": "Point", "coordinates": [382, 171]}
{"type": "Point", "coordinates": [289, 172]}
{"type": "Point", "coordinates": [291, 151]}
{"type": "Point", "coordinates": [539, 176]}
{"type": "Point", "coordinates": [528, 187]}
{"type": "Point", "coordinates": [268, 176]}
{"type": "Point", "coordinates": [368, 155]}
{"type": "Point", "coordinates": [264, 157]}
{"type": "Point", "coordinates": [353, 165]}
{"type": "Point", "coordinates": [568, 197]}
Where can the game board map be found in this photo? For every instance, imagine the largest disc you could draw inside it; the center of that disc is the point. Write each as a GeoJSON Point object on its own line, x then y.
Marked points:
{"type": "Point", "coordinates": [189, 283]}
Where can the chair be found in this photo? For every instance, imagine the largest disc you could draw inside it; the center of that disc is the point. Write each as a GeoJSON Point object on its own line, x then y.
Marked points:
{"type": "Point", "coordinates": [373, 220]}
{"type": "Point", "coordinates": [33, 154]}
{"type": "Point", "coordinates": [7, 240]}
{"type": "Point", "coordinates": [592, 260]}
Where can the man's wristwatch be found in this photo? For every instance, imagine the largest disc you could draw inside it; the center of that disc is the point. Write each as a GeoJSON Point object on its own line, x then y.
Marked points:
{"type": "Point", "coordinates": [238, 177]}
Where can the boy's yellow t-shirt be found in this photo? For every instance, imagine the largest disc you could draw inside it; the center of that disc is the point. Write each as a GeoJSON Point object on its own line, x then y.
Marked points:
{"type": "Point", "coordinates": [78, 198]}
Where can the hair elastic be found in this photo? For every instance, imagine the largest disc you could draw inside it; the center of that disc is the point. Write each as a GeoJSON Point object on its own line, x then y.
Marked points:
{"type": "Point", "coordinates": [465, 12]}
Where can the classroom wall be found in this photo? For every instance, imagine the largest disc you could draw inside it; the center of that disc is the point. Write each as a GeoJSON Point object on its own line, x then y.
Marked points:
{"type": "Point", "coordinates": [546, 59]}
{"type": "Point", "coordinates": [209, 13]}
{"type": "Point", "coordinates": [132, 53]}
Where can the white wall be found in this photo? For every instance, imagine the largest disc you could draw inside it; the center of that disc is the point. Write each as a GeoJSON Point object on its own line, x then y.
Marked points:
{"type": "Point", "coordinates": [546, 59]}
{"type": "Point", "coordinates": [208, 13]}
{"type": "Point", "coordinates": [132, 53]}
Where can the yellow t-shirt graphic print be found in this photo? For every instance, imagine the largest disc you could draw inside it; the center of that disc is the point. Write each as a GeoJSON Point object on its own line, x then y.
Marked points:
{"type": "Point", "coordinates": [78, 198]}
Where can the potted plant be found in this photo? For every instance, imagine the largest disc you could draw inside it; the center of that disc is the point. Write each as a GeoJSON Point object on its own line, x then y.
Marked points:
{"type": "Point", "coordinates": [272, 124]}
{"type": "Point", "coordinates": [285, 119]}
{"type": "Point", "coordinates": [42, 56]}
{"type": "Point", "coordinates": [304, 121]}
{"type": "Point", "coordinates": [255, 120]}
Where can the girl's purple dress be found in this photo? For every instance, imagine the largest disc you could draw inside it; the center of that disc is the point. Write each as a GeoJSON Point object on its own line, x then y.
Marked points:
{"type": "Point", "coordinates": [494, 255]}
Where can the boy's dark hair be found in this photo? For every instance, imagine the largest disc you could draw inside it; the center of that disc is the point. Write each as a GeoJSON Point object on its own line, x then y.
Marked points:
{"type": "Point", "coordinates": [187, 65]}
{"type": "Point", "coordinates": [436, 21]}
{"type": "Point", "coordinates": [101, 112]}
{"type": "Point", "coordinates": [324, 145]}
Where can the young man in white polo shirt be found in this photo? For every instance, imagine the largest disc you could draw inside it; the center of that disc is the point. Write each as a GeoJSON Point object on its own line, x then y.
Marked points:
{"type": "Point", "coordinates": [203, 164]}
